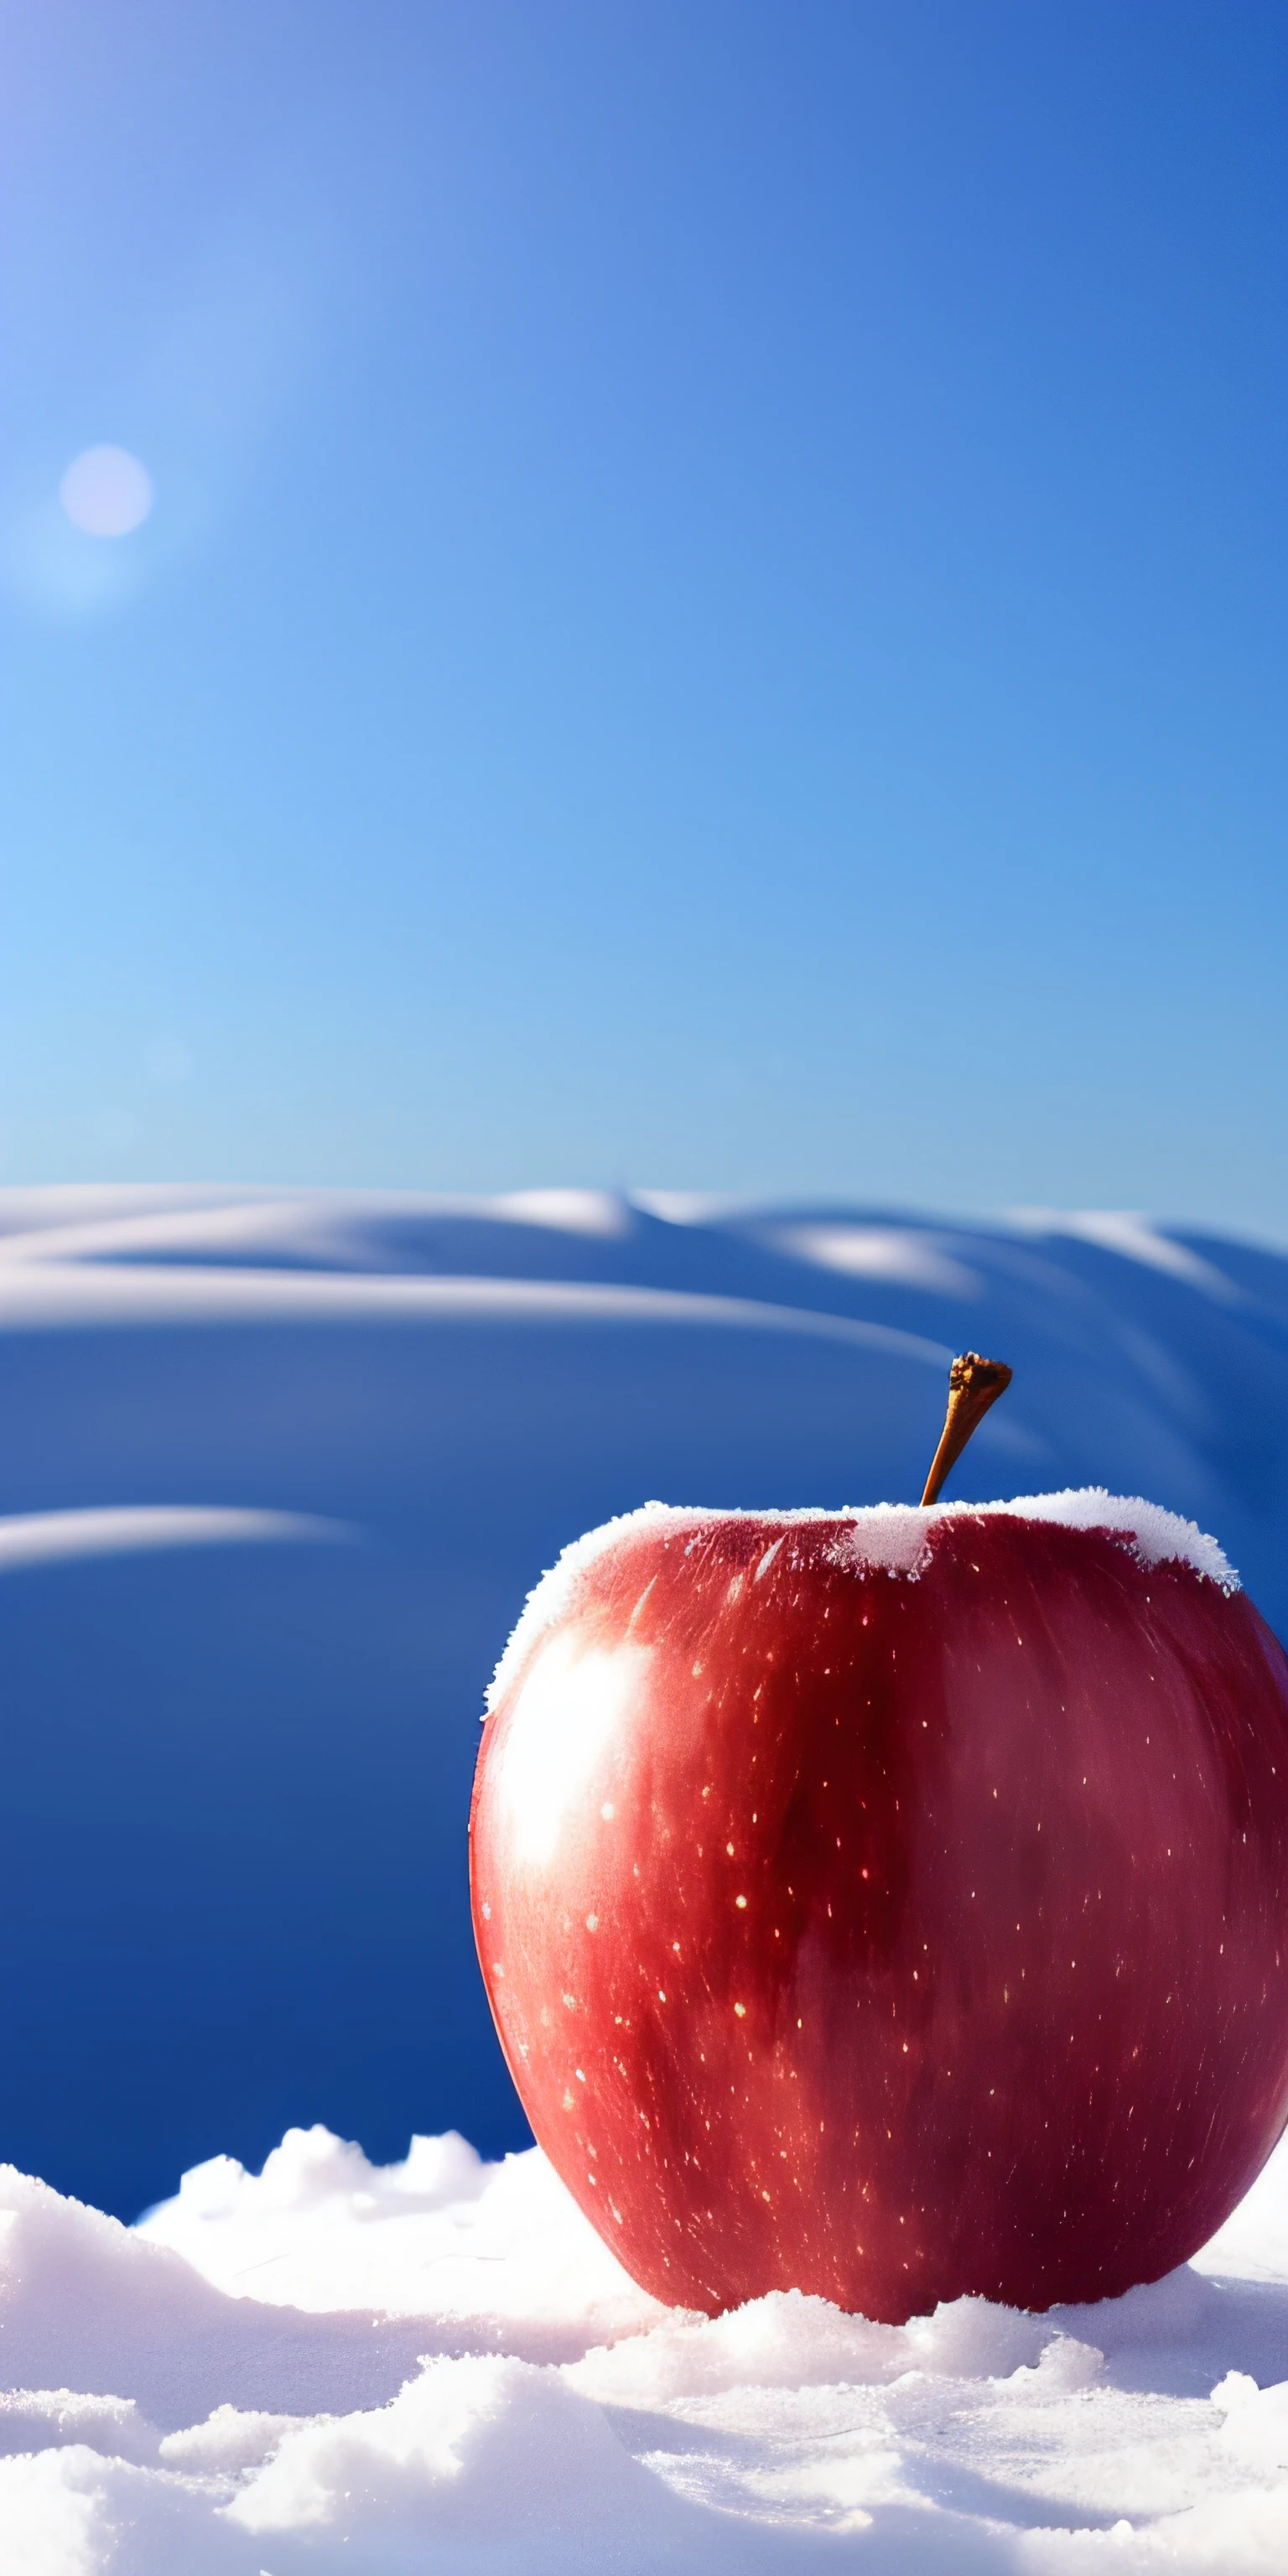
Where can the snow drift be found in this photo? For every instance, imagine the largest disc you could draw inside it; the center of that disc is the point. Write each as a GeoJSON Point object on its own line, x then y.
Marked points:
{"type": "Point", "coordinates": [439, 2365]}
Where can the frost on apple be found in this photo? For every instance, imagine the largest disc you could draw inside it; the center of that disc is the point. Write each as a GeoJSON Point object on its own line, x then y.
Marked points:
{"type": "Point", "coordinates": [892, 1536]}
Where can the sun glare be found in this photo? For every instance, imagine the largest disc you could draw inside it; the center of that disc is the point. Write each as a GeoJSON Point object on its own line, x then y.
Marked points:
{"type": "Point", "coordinates": [569, 1711]}
{"type": "Point", "coordinates": [106, 492]}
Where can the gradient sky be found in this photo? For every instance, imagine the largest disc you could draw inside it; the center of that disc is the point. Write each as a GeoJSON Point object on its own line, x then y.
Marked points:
{"type": "Point", "coordinates": [714, 614]}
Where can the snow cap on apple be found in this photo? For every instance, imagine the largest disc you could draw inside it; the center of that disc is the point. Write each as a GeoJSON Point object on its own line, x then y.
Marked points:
{"type": "Point", "coordinates": [889, 1902]}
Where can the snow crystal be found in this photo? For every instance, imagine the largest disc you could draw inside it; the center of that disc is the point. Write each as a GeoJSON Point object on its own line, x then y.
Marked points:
{"type": "Point", "coordinates": [1158, 1537]}
{"type": "Point", "coordinates": [437, 2364]}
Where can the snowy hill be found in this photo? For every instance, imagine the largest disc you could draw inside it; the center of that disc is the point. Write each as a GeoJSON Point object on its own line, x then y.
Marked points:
{"type": "Point", "coordinates": [279, 1470]}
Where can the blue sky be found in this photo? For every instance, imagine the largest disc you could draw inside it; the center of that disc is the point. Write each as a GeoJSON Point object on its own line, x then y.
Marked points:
{"type": "Point", "coordinates": [714, 610]}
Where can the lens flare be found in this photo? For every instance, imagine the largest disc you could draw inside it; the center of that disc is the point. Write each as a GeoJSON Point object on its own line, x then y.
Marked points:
{"type": "Point", "coordinates": [106, 492]}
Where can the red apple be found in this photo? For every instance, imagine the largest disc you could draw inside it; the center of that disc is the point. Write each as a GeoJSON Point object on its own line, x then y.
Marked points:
{"type": "Point", "coordinates": [891, 1903]}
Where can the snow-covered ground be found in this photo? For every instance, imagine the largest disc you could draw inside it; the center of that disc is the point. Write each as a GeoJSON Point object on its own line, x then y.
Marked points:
{"type": "Point", "coordinates": [278, 1470]}
{"type": "Point", "coordinates": [437, 2366]}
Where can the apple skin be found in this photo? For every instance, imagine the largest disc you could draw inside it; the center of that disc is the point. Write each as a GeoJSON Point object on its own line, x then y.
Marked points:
{"type": "Point", "coordinates": [891, 1938]}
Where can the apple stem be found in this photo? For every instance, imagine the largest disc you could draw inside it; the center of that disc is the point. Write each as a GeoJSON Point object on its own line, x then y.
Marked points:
{"type": "Point", "coordinates": [973, 1384]}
